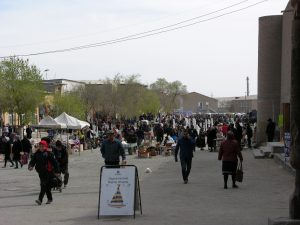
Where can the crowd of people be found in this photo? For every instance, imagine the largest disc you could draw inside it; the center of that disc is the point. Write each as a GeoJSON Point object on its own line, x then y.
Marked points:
{"type": "Point", "coordinates": [185, 134]}
{"type": "Point", "coordinates": [50, 160]}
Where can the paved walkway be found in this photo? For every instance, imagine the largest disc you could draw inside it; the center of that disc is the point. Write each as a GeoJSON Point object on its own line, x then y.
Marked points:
{"type": "Point", "coordinates": [165, 199]}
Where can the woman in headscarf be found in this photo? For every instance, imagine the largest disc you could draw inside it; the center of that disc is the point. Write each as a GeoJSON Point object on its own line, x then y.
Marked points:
{"type": "Point", "coordinates": [229, 153]}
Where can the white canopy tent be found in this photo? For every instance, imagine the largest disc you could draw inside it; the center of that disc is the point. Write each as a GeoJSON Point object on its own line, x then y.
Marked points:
{"type": "Point", "coordinates": [49, 123]}
{"type": "Point", "coordinates": [71, 122]}
{"type": "Point", "coordinates": [84, 124]}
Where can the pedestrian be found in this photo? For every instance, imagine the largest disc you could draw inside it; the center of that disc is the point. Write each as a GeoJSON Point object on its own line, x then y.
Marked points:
{"type": "Point", "coordinates": [140, 136]}
{"type": "Point", "coordinates": [47, 167]}
{"type": "Point", "coordinates": [229, 153]}
{"type": "Point", "coordinates": [186, 146]}
{"type": "Point", "coordinates": [62, 157]}
{"type": "Point", "coordinates": [200, 142]}
{"type": "Point", "coordinates": [211, 138]}
{"type": "Point", "coordinates": [16, 150]}
{"type": "Point", "coordinates": [112, 149]}
{"type": "Point", "coordinates": [249, 133]}
{"type": "Point", "coordinates": [27, 149]}
{"type": "Point", "coordinates": [28, 132]}
{"type": "Point", "coordinates": [270, 130]}
{"type": "Point", "coordinates": [239, 132]}
{"type": "Point", "coordinates": [5, 146]}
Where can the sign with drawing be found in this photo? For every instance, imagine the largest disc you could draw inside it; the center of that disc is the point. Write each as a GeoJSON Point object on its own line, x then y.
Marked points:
{"type": "Point", "coordinates": [287, 144]}
{"type": "Point", "coordinates": [117, 192]}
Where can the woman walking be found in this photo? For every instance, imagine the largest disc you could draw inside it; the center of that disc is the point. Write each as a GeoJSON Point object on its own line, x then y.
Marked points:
{"type": "Point", "coordinates": [5, 146]}
{"type": "Point", "coordinates": [16, 150]}
{"type": "Point", "coordinates": [229, 153]}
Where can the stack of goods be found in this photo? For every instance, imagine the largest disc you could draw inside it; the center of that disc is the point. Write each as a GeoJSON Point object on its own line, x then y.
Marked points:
{"type": "Point", "coordinates": [151, 150]}
{"type": "Point", "coordinates": [143, 153]}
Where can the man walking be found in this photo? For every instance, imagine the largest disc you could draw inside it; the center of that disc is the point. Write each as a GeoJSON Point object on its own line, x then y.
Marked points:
{"type": "Point", "coordinates": [45, 165]}
{"type": "Point", "coordinates": [270, 130]}
{"type": "Point", "coordinates": [112, 149]}
{"type": "Point", "coordinates": [62, 157]}
{"type": "Point", "coordinates": [186, 146]}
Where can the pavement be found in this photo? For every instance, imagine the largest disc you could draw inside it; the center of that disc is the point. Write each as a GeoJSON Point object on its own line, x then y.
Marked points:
{"type": "Point", "coordinates": [264, 193]}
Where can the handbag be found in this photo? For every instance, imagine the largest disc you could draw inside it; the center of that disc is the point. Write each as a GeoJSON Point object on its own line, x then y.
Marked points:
{"type": "Point", "coordinates": [239, 172]}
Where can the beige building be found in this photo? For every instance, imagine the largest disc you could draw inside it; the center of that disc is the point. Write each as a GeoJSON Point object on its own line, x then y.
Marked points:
{"type": "Point", "coordinates": [197, 103]}
{"type": "Point", "coordinates": [241, 104]}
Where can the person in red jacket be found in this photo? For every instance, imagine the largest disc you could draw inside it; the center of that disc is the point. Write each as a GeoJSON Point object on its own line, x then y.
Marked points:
{"type": "Point", "coordinates": [46, 166]}
{"type": "Point", "coordinates": [229, 153]}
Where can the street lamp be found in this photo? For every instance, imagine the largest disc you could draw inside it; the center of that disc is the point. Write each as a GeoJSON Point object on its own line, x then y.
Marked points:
{"type": "Point", "coordinates": [46, 70]}
{"type": "Point", "coordinates": [207, 107]}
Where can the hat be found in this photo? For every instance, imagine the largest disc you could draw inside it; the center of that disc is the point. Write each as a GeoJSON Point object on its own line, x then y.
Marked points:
{"type": "Point", "coordinates": [110, 132]}
{"type": "Point", "coordinates": [44, 143]}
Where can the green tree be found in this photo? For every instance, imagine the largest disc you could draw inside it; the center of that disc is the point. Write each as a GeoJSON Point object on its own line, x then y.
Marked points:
{"type": "Point", "coordinates": [70, 103]}
{"type": "Point", "coordinates": [168, 93]}
{"type": "Point", "coordinates": [149, 102]}
{"type": "Point", "coordinates": [21, 87]}
{"type": "Point", "coordinates": [123, 95]}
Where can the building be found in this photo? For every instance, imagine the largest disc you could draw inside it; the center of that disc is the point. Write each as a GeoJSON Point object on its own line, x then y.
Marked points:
{"type": "Point", "coordinates": [274, 72]}
{"type": "Point", "coordinates": [194, 102]}
{"type": "Point", "coordinates": [61, 85]}
{"type": "Point", "coordinates": [241, 104]}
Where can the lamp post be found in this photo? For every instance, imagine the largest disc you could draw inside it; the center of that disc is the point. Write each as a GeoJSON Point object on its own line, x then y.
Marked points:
{"type": "Point", "coordinates": [207, 107]}
{"type": "Point", "coordinates": [46, 73]}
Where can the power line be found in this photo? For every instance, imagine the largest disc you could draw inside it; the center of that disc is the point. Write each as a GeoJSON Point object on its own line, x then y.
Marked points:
{"type": "Point", "coordinates": [146, 33]}
{"type": "Point", "coordinates": [85, 35]}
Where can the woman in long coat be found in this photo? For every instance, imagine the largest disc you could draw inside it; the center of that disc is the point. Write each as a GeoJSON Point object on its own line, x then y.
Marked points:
{"type": "Point", "coordinates": [5, 146]}
{"type": "Point", "coordinates": [229, 153]}
{"type": "Point", "coordinates": [211, 138]}
{"type": "Point", "coordinates": [16, 150]}
{"type": "Point", "coordinates": [200, 142]}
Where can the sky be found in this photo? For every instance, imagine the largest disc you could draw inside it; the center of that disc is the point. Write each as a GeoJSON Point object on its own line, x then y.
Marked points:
{"type": "Point", "coordinates": [210, 46]}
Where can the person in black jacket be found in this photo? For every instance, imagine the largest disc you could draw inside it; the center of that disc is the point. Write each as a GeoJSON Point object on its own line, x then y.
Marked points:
{"type": "Point", "coordinates": [112, 149]}
{"type": "Point", "coordinates": [16, 150]}
{"type": "Point", "coordinates": [62, 157]}
{"type": "Point", "coordinates": [46, 166]}
{"type": "Point", "coordinates": [270, 130]}
{"type": "Point", "coordinates": [26, 145]}
{"type": "Point", "coordinates": [186, 146]}
{"type": "Point", "coordinates": [5, 146]}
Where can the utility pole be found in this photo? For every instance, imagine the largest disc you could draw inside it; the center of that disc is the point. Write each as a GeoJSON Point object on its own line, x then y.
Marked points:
{"type": "Point", "coordinates": [247, 79]}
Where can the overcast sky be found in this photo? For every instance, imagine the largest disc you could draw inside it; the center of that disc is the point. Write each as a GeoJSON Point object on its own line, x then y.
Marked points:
{"type": "Point", "coordinates": [213, 57]}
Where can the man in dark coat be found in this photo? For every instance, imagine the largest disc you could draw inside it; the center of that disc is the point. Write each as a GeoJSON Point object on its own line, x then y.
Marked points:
{"type": "Point", "coordinates": [112, 149]}
{"type": "Point", "coordinates": [186, 146]}
{"type": "Point", "coordinates": [26, 145]}
{"type": "Point", "coordinates": [29, 132]}
{"type": "Point", "coordinates": [239, 132]}
{"type": "Point", "coordinates": [62, 157]}
{"type": "Point", "coordinates": [270, 130]}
